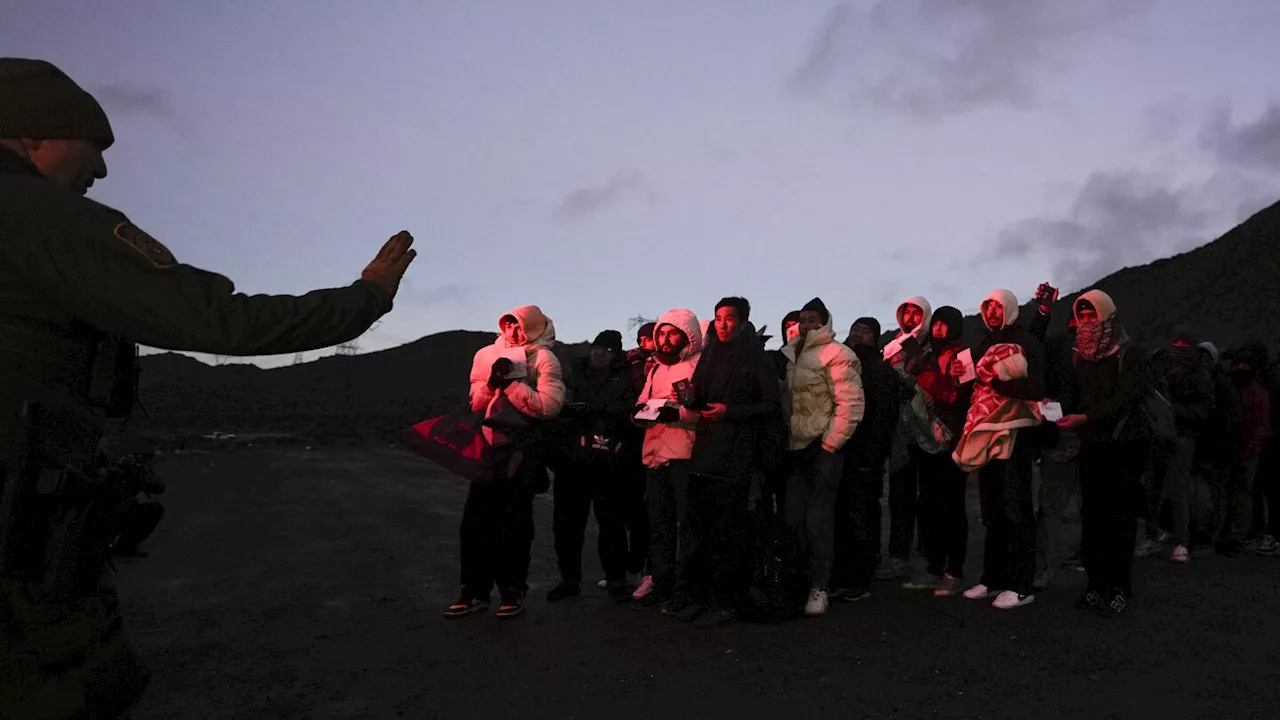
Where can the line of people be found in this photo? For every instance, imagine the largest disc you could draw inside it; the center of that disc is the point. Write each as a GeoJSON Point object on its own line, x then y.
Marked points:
{"type": "Point", "coordinates": [729, 481]}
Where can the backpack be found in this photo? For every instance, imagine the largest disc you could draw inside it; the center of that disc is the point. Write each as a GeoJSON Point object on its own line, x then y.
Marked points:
{"type": "Point", "coordinates": [1152, 419]}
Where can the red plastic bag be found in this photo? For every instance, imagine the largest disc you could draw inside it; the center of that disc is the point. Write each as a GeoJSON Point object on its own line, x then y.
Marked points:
{"type": "Point", "coordinates": [455, 442]}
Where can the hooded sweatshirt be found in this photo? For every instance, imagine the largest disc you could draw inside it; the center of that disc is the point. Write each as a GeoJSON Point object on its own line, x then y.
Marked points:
{"type": "Point", "coordinates": [920, 333]}
{"type": "Point", "coordinates": [1109, 387]}
{"type": "Point", "coordinates": [950, 399]}
{"type": "Point", "coordinates": [1190, 385]}
{"type": "Point", "coordinates": [666, 442]}
{"type": "Point", "coordinates": [540, 394]}
{"type": "Point", "coordinates": [824, 382]}
{"type": "Point", "coordinates": [1030, 387]}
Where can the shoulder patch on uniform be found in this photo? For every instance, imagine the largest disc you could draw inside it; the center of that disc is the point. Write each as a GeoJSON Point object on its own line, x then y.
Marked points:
{"type": "Point", "coordinates": [150, 248]}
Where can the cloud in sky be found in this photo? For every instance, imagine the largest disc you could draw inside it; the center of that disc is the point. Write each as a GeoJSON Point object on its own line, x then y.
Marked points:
{"type": "Point", "coordinates": [932, 58]}
{"type": "Point", "coordinates": [125, 99]}
{"type": "Point", "coordinates": [1254, 145]}
{"type": "Point", "coordinates": [585, 202]}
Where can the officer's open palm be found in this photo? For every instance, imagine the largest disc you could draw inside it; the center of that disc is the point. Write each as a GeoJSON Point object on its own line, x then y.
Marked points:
{"type": "Point", "coordinates": [392, 260]}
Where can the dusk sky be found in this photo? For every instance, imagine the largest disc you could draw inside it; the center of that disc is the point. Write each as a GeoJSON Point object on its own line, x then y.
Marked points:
{"type": "Point", "coordinates": [608, 159]}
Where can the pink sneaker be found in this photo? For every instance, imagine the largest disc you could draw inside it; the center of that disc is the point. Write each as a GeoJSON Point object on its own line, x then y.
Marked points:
{"type": "Point", "coordinates": [646, 587]}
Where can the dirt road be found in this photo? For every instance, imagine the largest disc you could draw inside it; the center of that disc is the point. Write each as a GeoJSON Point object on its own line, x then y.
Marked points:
{"type": "Point", "coordinates": [290, 584]}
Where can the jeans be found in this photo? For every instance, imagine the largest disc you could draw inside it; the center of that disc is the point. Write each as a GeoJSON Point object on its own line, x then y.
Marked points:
{"type": "Point", "coordinates": [715, 565]}
{"type": "Point", "coordinates": [904, 493]}
{"type": "Point", "coordinates": [1112, 497]}
{"type": "Point", "coordinates": [1059, 481]}
{"type": "Point", "coordinates": [577, 489]}
{"type": "Point", "coordinates": [667, 495]}
{"type": "Point", "coordinates": [1009, 554]}
{"type": "Point", "coordinates": [1177, 489]}
{"type": "Point", "coordinates": [857, 527]}
{"type": "Point", "coordinates": [810, 505]}
{"type": "Point", "coordinates": [944, 520]}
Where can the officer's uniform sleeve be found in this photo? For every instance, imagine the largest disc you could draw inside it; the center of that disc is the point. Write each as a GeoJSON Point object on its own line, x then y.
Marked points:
{"type": "Point", "coordinates": [115, 277]}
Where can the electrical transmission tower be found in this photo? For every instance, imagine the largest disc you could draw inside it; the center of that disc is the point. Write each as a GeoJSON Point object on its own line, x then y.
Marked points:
{"type": "Point", "coordinates": [299, 359]}
{"type": "Point", "coordinates": [638, 321]}
{"type": "Point", "coordinates": [347, 348]}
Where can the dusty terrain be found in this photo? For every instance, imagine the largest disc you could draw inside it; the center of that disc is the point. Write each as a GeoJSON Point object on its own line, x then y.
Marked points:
{"type": "Point", "coordinates": [289, 583]}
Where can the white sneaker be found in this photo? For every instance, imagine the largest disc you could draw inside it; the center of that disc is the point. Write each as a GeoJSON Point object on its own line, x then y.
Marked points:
{"type": "Point", "coordinates": [646, 587]}
{"type": "Point", "coordinates": [1009, 599]}
{"type": "Point", "coordinates": [977, 592]}
{"type": "Point", "coordinates": [1180, 555]}
{"type": "Point", "coordinates": [602, 584]}
{"type": "Point", "coordinates": [817, 604]}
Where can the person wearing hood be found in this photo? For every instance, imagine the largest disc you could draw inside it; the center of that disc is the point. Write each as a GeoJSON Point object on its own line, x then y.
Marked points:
{"type": "Point", "coordinates": [1251, 440]}
{"type": "Point", "coordinates": [603, 448]}
{"type": "Point", "coordinates": [944, 519]}
{"type": "Point", "coordinates": [915, 327]}
{"type": "Point", "coordinates": [735, 390]}
{"type": "Point", "coordinates": [1113, 377]}
{"type": "Point", "coordinates": [1215, 454]}
{"type": "Point", "coordinates": [1191, 391]}
{"type": "Point", "coordinates": [857, 514]}
{"type": "Point", "coordinates": [1004, 485]}
{"type": "Point", "coordinates": [668, 444]}
{"type": "Point", "coordinates": [1059, 454]}
{"type": "Point", "coordinates": [824, 383]}
{"type": "Point", "coordinates": [640, 358]}
{"type": "Point", "coordinates": [518, 370]}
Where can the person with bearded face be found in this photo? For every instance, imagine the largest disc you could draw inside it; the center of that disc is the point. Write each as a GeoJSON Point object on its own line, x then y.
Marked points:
{"type": "Point", "coordinates": [1005, 485]}
{"type": "Point", "coordinates": [915, 323]}
{"type": "Point", "coordinates": [1191, 391]}
{"type": "Point", "coordinates": [1113, 377]}
{"type": "Point", "coordinates": [668, 444]}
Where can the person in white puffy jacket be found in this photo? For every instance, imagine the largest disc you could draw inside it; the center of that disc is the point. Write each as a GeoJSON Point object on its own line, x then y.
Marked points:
{"type": "Point", "coordinates": [824, 382]}
{"type": "Point", "coordinates": [668, 445]}
{"type": "Point", "coordinates": [497, 521]}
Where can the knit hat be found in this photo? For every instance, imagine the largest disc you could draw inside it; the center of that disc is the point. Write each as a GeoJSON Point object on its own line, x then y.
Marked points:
{"type": "Point", "coordinates": [953, 319]}
{"type": "Point", "coordinates": [1212, 350]}
{"type": "Point", "coordinates": [39, 101]}
{"type": "Point", "coordinates": [816, 305]}
{"type": "Point", "coordinates": [646, 331]}
{"type": "Point", "coordinates": [870, 322]}
{"type": "Point", "coordinates": [610, 339]}
{"type": "Point", "coordinates": [1186, 335]}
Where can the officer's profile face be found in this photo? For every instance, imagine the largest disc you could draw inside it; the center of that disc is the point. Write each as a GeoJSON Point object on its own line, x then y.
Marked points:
{"type": "Point", "coordinates": [73, 163]}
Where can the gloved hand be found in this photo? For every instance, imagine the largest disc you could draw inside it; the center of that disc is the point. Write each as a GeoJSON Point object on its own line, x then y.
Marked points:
{"type": "Point", "coordinates": [669, 414]}
{"type": "Point", "coordinates": [498, 374]}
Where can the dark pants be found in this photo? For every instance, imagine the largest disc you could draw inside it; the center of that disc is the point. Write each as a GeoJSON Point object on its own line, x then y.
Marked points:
{"type": "Point", "coordinates": [578, 488]}
{"type": "Point", "coordinates": [1009, 554]}
{"type": "Point", "coordinates": [139, 521]}
{"type": "Point", "coordinates": [944, 522]}
{"type": "Point", "coordinates": [635, 516]}
{"type": "Point", "coordinates": [714, 563]}
{"type": "Point", "coordinates": [667, 495]}
{"type": "Point", "coordinates": [809, 509]}
{"type": "Point", "coordinates": [497, 532]}
{"type": "Point", "coordinates": [1059, 481]}
{"type": "Point", "coordinates": [1111, 499]}
{"type": "Point", "coordinates": [857, 527]}
{"type": "Point", "coordinates": [904, 490]}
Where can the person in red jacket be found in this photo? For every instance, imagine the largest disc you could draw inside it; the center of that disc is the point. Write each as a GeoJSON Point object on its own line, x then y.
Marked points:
{"type": "Point", "coordinates": [1255, 432]}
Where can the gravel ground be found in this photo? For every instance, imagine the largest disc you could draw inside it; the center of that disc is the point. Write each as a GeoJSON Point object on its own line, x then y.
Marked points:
{"type": "Point", "coordinates": [310, 584]}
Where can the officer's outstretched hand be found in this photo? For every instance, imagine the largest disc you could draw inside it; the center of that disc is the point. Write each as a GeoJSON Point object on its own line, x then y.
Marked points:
{"type": "Point", "coordinates": [393, 259]}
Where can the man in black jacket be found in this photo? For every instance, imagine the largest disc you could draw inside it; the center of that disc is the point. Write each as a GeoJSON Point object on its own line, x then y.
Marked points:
{"type": "Point", "coordinates": [601, 456]}
{"type": "Point", "coordinates": [1192, 393]}
{"type": "Point", "coordinates": [736, 390]}
{"type": "Point", "coordinates": [858, 523]}
{"type": "Point", "coordinates": [1009, 553]}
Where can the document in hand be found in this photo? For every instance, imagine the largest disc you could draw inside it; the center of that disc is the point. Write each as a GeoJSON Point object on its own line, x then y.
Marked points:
{"type": "Point", "coordinates": [1051, 410]}
{"type": "Point", "coordinates": [970, 372]}
{"type": "Point", "coordinates": [651, 409]}
{"type": "Point", "coordinates": [518, 359]}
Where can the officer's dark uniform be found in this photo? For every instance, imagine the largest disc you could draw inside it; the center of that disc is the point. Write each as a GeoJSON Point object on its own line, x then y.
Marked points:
{"type": "Point", "coordinates": [79, 286]}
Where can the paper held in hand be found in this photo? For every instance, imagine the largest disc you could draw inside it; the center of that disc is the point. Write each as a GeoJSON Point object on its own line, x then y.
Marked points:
{"type": "Point", "coordinates": [970, 372]}
{"type": "Point", "coordinates": [651, 409]}
{"type": "Point", "coordinates": [893, 348]}
{"type": "Point", "coordinates": [1051, 410]}
{"type": "Point", "coordinates": [518, 359]}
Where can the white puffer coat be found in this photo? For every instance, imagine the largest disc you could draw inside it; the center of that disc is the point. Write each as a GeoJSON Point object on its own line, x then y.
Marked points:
{"type": "Point", "coordinates": [666, 442]}
{"type": "Point", "coordinates": [824, 379]}
{"type": "Point", "coordinates": [541, 393]}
